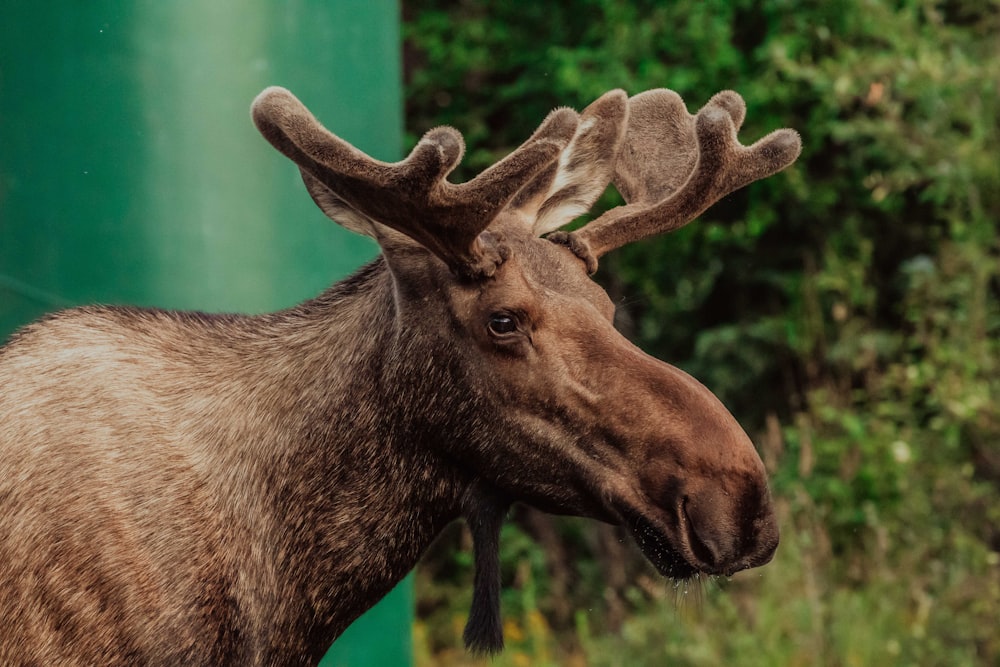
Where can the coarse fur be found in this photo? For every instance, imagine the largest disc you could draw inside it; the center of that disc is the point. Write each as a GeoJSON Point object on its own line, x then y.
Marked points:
{"type": "Point", "coordinates": [184, 488]}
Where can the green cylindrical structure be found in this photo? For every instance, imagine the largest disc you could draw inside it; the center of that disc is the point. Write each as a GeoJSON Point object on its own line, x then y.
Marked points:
{"type": "Point", "coordinates": [130, 171]}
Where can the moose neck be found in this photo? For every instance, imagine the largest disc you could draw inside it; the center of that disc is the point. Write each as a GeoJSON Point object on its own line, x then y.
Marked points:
{"type": "Point", "coordinates": [353, 494]}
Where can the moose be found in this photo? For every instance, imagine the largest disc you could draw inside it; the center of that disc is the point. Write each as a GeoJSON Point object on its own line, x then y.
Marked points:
{"type": "Point", "coordinates": [207, 489]}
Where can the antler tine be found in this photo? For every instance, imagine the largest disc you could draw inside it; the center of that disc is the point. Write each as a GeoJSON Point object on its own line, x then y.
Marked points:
{"type": "Point", "coordinates": [673, 166]}
{"type": "Point", "coordinates": [412, 196]}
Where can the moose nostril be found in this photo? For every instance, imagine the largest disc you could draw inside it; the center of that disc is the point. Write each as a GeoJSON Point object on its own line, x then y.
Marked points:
{"type": "Point", "coordinates": [726, 535]}
{"type": "Point", "coordinates": [700, 540]}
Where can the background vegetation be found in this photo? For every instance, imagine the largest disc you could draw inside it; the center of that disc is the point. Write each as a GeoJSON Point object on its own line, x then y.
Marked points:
{"type": "Point", "coordinates": [846, 311]}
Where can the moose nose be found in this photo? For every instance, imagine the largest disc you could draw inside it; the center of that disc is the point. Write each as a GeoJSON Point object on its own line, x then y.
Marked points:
{"type": "Point", "coordinates": [728, 532]}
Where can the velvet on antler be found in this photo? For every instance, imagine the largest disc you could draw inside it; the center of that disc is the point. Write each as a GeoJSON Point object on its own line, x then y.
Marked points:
{"type": "Point", "coordinates": [411, 196]}
{"type": "Point", "coordinates": [674, 165]}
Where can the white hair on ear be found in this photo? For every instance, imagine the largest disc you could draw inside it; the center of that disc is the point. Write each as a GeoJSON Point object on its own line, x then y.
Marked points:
{"type": "Point", "coordinates": [585, 165]}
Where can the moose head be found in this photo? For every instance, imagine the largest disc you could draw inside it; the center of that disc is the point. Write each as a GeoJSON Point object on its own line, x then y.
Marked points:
{"type": "Point", "coordinates": [526, 382]}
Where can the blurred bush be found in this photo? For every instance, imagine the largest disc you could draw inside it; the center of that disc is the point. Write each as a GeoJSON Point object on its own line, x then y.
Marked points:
{"type": "Point", "coordinates": [845, 310]}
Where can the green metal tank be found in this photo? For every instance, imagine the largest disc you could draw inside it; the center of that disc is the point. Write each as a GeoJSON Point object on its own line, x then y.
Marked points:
{"type": "Point", "coordinates": [130, 171]}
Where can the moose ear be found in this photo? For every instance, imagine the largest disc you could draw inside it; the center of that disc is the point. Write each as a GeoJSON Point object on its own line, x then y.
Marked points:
{"type": "Point", "coordinates": [395, 245]}
{"type": "Point", "coordinates": [336, 208]}
{"type": "Point", "coordinates": [570, 186]}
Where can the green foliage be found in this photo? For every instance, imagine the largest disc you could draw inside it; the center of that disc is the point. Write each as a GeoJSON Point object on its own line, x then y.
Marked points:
{"type": "Point", "coordinates": [846, 311]}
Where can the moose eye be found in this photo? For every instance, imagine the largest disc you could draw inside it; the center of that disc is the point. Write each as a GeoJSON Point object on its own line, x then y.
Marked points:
{"type": "Point", "coordinates": [502, 324]}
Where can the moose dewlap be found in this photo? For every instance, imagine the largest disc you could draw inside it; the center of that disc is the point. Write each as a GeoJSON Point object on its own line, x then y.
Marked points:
{"type": "Point", "coordinates": [182, 488]}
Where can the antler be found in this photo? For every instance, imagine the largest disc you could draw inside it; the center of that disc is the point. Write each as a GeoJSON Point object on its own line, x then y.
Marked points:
{"type": "Point", "coordinates": [411, 196]}
{"type": "Point", "coordinates": [672, 166]}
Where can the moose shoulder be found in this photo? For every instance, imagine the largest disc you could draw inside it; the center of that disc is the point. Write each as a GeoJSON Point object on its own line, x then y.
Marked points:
{"type": "Point", "coordinates": [185, 488]}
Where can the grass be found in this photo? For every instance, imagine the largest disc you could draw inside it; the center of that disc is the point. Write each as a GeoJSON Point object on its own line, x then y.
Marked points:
{"type": "Point", "coordinates": [808, 607]}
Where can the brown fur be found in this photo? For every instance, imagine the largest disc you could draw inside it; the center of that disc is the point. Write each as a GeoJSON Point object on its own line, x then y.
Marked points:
{"type": "Point", "coordinates": [182, 488]}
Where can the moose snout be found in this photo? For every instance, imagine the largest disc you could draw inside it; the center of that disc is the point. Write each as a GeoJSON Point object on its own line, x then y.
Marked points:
{"type": "Point", "coordinates": [727, 531]}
